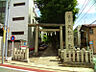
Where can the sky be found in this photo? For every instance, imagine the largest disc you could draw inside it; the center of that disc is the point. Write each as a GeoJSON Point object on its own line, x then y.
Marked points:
{"type": "Point", "coordinates": [88, 14]}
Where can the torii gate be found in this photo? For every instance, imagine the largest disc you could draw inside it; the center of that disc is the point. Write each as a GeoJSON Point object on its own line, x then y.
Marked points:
{"type": "Point", "coordinates": [47, 30]}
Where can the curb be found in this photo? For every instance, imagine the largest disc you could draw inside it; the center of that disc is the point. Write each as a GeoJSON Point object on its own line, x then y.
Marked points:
{"type": "Point", "coordinates": [24, 68]}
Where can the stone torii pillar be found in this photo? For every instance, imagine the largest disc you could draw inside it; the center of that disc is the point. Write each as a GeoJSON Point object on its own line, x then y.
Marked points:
{"type": "Point", "coordinates": [36, 40]}
{"type": "Point", "coordinates": [69, 30]}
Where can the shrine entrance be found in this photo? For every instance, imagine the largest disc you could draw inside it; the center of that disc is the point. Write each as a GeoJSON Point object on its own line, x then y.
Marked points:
{"type": "Point", "coordinates": [37, 27]}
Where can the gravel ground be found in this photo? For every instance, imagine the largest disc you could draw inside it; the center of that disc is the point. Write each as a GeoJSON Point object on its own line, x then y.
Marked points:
{"type": "Point", "coordinates": [47, 57]}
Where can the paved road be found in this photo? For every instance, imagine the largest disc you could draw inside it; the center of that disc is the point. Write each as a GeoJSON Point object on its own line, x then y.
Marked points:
{"type": "Point", "coordinates": [7, 69]}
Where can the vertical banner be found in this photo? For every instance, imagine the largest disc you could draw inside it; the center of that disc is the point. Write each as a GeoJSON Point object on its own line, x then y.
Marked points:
{"type": "Point", "coordinates": [69, 30]}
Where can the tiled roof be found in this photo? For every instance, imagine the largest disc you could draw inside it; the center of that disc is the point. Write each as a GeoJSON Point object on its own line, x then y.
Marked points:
{"type": "Point", "coordinates": [89, 25]}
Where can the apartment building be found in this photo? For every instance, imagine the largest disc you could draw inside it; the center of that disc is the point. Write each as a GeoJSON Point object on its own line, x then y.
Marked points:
{"type": "Point", "coordinates": [2, 10]}
{"type": "Point", "coordinates": [21, 13]}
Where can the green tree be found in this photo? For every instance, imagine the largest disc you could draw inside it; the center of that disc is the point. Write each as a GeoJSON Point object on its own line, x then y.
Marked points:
{"type": "Point", "coordinates": [53, 11]}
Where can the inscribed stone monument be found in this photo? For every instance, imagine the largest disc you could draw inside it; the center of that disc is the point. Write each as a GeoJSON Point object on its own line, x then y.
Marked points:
{"type": "Point", "coordinates": [69, 30]}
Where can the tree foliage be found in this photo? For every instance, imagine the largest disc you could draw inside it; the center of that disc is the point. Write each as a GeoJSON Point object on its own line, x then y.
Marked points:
{"type": "Point", "coordinates": [53, 11]}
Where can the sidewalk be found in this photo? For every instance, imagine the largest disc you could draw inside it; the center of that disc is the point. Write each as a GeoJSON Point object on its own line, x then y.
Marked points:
{"type": "Point", "coordinates": [24, 69]}
{"type": "Point", "coordinates": [31, 65]}
{"type": "Point", "coordinates": [47, 68]}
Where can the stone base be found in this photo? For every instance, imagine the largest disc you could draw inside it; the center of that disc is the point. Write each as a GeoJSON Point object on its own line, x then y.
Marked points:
{"type": "Point", "coordinates": [78, 64]}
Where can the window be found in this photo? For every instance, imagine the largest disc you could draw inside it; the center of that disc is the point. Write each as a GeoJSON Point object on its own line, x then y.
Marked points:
{"type": "Point", "coordinates": [18, 18]}
{"type": "Point", "coordinates": [2, 11]}
{"type": "Point", "coordinates": [91, 31]}
{"type": "Point", "coordinates": [18, 33]}
{"type": "Point", "coordinates": [19, 4]}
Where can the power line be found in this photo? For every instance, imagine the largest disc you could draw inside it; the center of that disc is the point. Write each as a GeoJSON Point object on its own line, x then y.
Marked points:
{"type": "Point", "coordinates": [86, 13]}
{"type": "Point", "coordinates": [86, 1]}
{"type": "Point", "coordinates": [92, 22]}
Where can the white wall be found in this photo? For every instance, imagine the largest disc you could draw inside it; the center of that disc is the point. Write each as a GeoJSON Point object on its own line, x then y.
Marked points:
{"type": "Point", "coordinates": [31, 35]}
{"type": "Point", "coordinates": [22, 11]}
{"type": "Point", "coordinates": [20, 25]}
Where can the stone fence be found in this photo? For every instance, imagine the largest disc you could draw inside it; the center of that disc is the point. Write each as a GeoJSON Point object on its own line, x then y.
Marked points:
{"type": "Point", "coordinates": [76, 55]}
{"type": "Point", "coordinates": [21, 55]}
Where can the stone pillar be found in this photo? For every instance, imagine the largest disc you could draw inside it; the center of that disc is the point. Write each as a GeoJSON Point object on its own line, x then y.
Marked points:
{"type": "Point", "coordinates": [22, 54]}
{"type": "Point", "coordinates": [14, 55]}
{"type": "Point", "coordinates": [69, 53]}
{"type": "Point", "coordinates": [62, 54]}
{"type": "Point", "coordinates": [86, 56]}
{"type": "Point", "coordinates": [79, 36]}
{"type": "Point", "coordinates": [61, 38]}
{"type": "Point", "coordinates": [73, 56]}
{"type": "Point", "coordinates": [78, 56]}
{"type": "Point", "coordinates": [36, 40]}
{"type": "Point", "coordinates": [69, 30]}
{"type": "Point", "coordinates": [82, 56]}
{"type": "Point", "coordinates": [19, 54]}
{"type": "Point", "coordinates": [91, 56]}
{"type": "Point", "coordinates": [59, 52]}
{"type": "Point", "coordinates": [27, 54]}
{"type": "Point", "coordinates": [65, 55]}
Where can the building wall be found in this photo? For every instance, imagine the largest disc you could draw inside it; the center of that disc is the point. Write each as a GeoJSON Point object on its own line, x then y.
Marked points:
{"type": "Point", "coordinates": [31, 20]}
{"type": "Point", "coordinates": [19, 25]}
{"type": "Point", "coordinates": [92, 37]}
{"type": "Point", "coordinates": [2, 10]}
{"type": "Point", "coordinates": [26, 11]}
{"type": "Point", "coordinates": [88, 37]}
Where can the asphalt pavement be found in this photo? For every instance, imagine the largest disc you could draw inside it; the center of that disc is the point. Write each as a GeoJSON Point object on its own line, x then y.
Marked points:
{"type": "Point", "coordinates": [7, 69]}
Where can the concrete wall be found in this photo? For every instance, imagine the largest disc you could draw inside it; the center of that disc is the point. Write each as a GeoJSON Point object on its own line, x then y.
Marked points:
{"type": "Point", "coordinates": [20, 25]}
{"type": "Point", "coordinates": [26, 11]}
{"type": "Point", "coordinates": [31, 31]}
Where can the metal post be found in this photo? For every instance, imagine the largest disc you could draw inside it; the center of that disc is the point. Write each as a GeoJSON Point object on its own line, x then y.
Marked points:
{"type": "Point", "coordinates": [61, 38]}
{"type": "Point", "coordinates": [7, 30]}
{"type": "Point", "coordinates": [12, 48]}
{"type": "Point", "coordinates": [4, 34]}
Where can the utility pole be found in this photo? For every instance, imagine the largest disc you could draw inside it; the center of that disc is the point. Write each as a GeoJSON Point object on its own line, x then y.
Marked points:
{"type": "Point", "coordinates": [6, 42]}
{"type": "Point", "coordinates": [4, 32]}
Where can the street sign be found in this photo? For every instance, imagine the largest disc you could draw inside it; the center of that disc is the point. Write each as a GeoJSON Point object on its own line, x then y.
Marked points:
{"type": "Point", "coordinates": [91, 42]}
{"type": "Point", "coordinates": [12, 38]}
